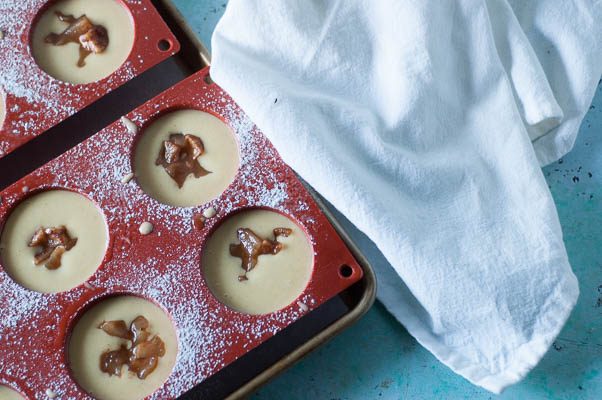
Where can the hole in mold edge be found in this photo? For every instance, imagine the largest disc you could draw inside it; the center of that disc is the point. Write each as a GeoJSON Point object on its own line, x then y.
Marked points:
{"type": "Point", "coordinates": [164, 45]}
{"type": "Point", "coordinates": [345, 271]}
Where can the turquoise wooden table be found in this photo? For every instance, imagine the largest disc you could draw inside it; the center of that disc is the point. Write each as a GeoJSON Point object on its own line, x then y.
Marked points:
{"type": "Point", "coordinates": [378, 359]}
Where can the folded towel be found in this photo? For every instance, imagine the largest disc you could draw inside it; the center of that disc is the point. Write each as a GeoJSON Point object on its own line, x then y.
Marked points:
{"type": "Point", "coordinates": [416, 120]}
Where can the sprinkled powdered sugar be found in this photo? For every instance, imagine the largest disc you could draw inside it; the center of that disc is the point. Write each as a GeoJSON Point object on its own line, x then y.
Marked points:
{"type": "Point", "coordinates": [20, 302]}
{"type": "Point", "coordinates": [39, 100]}
{"type": "Point", "coordinates": [21, 77]}
{"type": "Point", "coordinates": [37, 87]}
{"type": "Point", "coordinates": [164, 266]}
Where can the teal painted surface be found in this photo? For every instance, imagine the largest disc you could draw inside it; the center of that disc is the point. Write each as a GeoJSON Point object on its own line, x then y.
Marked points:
{"type": "Point", "coordinates": [378, 359]}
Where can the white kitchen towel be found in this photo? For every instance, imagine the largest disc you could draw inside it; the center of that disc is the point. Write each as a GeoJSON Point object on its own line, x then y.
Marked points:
{"type": "Point", "coordinates": [415, 119]}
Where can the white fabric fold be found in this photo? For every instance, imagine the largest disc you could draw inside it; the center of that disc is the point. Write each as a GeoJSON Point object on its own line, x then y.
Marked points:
{"type": "Point", "coordinates": [565, 36]}
{"type": "Point", "coordinates": [415, 120]}
{"type": "Point", "coordinates": [534, 97]}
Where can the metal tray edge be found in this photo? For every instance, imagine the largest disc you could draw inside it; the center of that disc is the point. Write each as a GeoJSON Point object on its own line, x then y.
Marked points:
{"type": "Point", "coordinates": [175, 13]}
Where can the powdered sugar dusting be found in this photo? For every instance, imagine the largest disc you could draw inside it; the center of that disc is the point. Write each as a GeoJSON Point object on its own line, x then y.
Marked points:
{"type": "Point", "coordinates": [20, 76]}
{"type": "Point", "coordinates": [35, 101]}
{"type": "Point", "coordinates": [165, 266]}
{"type": "Point", "coordinates": [20, 303]}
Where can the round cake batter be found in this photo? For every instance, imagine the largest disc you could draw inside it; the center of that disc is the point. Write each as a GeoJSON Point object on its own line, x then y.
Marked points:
{"type": "Point", "coordinates": [88, 343]}
{"type": "Point", "coordinates": [277, 279]}
{"type": "Point", "coordinates": [61, 61]}
{"type": "Point", "coordinates": [53, 208]}
{"type": "Point", "coordinates": [220, 158]}
{"type": "Point", "coordinates": [7, 393]}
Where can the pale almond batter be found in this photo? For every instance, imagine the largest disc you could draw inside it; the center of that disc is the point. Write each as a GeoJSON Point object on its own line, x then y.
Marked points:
{"type": "Point", "coordinates": [275, 282]}
{"type": "Point", "coordinates": [7, 393]}
{"type": "Point", "coordinates": [87, 343]}
{"type": "Point", "coordinates": [221, 157]}
{"type": "Point", "coordinates": [61, 61]}
{"type": "Point", "coordinates": [53, 208]}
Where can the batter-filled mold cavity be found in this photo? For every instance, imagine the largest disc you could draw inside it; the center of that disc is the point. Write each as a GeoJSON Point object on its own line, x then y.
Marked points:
{"type": "Point", "coordinates": [7, 393]}
{"type": "Point", "coordinates": [82, 41]}
{"type": "Point", "coordinates": [186, 158]}
{"type": "Point", "coordinates": [122, 347]}
{"type": "Point", "coordinates": [257, 261]}
{"type": "Point", "coordinates": [53, 241]}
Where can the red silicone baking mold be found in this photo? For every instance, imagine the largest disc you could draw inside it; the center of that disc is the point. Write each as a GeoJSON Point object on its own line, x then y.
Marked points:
{"type": "Point", "coordinates": [35, 101]}
{"type": "Point", "coordinates": [164, 266]}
